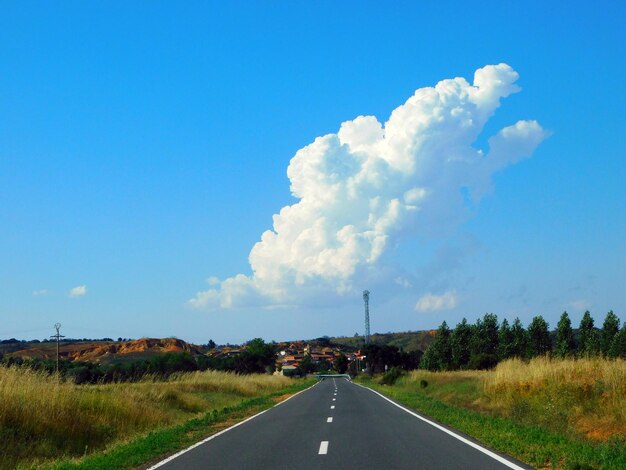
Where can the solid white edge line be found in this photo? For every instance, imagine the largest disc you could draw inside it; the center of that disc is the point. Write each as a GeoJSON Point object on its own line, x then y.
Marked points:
{"type": "Point", "coordinates": [213, 436]}
{"type": "Point", "coordinates": [491, 454]}
{"type": "Point", "coordinates": [323, 448]}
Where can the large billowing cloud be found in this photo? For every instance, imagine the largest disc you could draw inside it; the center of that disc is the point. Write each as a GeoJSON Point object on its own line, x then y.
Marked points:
{"type": "Point", "coordinates": [366, 187]}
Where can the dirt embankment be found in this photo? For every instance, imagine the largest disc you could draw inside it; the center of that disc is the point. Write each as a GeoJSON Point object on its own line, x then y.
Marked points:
{"type": "Point", "coordinates": [96, 351]}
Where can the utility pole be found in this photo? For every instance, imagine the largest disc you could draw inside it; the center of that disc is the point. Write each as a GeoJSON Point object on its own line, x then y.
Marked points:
{"type": "Point", "coordinates": [58, 336]}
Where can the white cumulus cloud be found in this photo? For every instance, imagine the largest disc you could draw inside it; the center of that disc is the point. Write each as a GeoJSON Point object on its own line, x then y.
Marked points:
{"type": "Point", "coordinates": [361, 190]}
{"type": "Point", "coordinates": [77, 291]}
{"type": "Point", "coordinates": [431, 302]}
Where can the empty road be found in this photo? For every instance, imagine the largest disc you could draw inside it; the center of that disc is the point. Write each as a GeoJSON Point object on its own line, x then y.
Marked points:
{"type": "Point", "coordinates": [340, 425]}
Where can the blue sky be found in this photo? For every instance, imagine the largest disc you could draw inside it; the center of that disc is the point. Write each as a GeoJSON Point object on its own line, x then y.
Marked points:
{"type": "Point", "coordinates": [144, 149]}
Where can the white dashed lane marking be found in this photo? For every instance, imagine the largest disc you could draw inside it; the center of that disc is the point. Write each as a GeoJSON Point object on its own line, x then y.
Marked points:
{"type": "Point", "coordinates": [332, 407]}
{"type": "Point", "coordinates": [329, 419]}
{"type": "Point", "coordinates": [323, 448]}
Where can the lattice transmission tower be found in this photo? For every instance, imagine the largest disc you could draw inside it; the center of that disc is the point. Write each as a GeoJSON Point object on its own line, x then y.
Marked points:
{"type": "Point", "coordinates": [366, 299]}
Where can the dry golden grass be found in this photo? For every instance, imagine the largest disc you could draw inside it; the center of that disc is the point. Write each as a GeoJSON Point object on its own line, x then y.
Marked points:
{"type": "Point", "coordinates": [587, 396]}
{"type": "Point", "coordinates": [41, 417]}
{"type": "Point", "coordinates": [580, 397]}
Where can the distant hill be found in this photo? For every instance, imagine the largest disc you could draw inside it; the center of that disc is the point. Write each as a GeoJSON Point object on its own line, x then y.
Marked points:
{"type": "Point", "coordinates": [106, 351]}
{"type": "Point", "coordinates": [407, 341]}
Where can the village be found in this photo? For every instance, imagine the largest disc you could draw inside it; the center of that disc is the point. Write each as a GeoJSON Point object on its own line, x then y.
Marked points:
{"type": "Point", "coordinates": [302, 357]}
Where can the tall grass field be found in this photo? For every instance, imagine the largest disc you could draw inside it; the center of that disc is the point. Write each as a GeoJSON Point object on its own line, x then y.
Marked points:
{"type": "Point", "coordinates": [549, 413]}
{"type": "Point", "coordinates": [43, 419]}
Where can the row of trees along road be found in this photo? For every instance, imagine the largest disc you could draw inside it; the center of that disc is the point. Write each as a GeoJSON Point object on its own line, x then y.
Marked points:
{"type": "Point", "coordinates": [485, 343]}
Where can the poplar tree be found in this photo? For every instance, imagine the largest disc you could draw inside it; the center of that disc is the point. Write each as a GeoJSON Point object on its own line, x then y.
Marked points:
{"type": "Point", "coordinates": [443, 351]}
{"type": "Point", "coordinates": [485, 337]}
{"type": "Point", "coordinates": [519, 342]}
{"type": "Point", "coordinates": [460, 344]}
{"type": "Point", "coordinates": [438, 356]}
{"type": "Point", "coordinates": [610, 327]}
{"type": "Point", "coordinates": [429, 362]}
{"type": "Point", "coordinates": [618, 346]}
{"type": "Point", "coordinates": [587, 336]}
{"type": "Point", "coordinates": [484, 343]}
{"type": "Point", "coordinates": [538, 337]}
{"type": "Point", "coordinates": [505, 340]}
{"type": "Point", "coordinates": [565, 345]}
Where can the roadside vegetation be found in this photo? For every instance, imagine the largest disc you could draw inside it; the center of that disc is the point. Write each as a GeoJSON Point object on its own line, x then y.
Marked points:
{"type": "Point", "coordinates": [487, 342]}
{"type": "Point", "coordinates": [44, 417]}
{"type": "Point", "coordinates": [258, 357]}
{"type": "Point", "coordinates": [407, 341]}
{"type": "Point", "coordinates": [547, 412]}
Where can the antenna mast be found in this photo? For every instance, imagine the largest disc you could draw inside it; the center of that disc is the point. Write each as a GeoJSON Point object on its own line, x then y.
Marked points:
{"type": "Point", "coordinates": [366, 299]}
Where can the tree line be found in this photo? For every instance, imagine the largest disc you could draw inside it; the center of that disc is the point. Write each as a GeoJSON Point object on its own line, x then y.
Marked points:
{"type": "Point", "coordinates": [483, 344]}
{"type": "Point", "coordinates": [380, 358]}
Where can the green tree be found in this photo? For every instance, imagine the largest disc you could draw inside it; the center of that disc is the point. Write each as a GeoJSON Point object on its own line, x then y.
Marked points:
{"type": "Point", "coordinates": [505, 340]}
{"type": "Point", "coordinates": [438, 356]}
{"type": "Point", "coordinates": [485, 337]}
{"type": "Point", "coordinates": [443, 347]}
{"type": "Point", "coordinates": [484, 343]}
{"type": "Point", "coordinates": [306, 365]}
{"type": "Point", "coordinates": [259, 356]}
{"type": "Point", "coordinates": [587, 336]}
{"type": "Point", "coordinates": [565, 345]}
{"type": "Point", "coordinates": [429, 361]}
{"type": "Point", "coordinates": [610, 327]}
{"type": "Point", "coordinates": [380, 357]}
{"type": "Point", "coordinates": [460, 344]}
{"type": "Point", "coordinates": [519, 342]}
{"type": "Point", "coordinates": [538, 337]}
{"type": "Point", "coordinates": [618, 346]}
{"type": "Point", "coordinates": [341, 363]}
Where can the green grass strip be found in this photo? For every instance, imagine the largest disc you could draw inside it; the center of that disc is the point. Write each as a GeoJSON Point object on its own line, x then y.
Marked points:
{"type": "Point", "coordinates": [160, 443]}
{"type": "Point", "coordinates": [530, 444]}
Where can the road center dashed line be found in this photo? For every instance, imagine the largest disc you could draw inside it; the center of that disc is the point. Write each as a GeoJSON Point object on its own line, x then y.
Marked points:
{"type": "Point", "coordinates": [217, 434]}
{"type": "Point", "coordinates": [332, 407]}
{"type": "Point", "coordinates": [323, 448]}
{"type": "Point", "coordinates": [329, 419]}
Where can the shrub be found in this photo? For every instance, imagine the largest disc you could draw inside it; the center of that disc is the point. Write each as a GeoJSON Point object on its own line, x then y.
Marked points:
{"type": "Point", "coordinates": [391, 376]}
{"type": "Point", "coordinates": [483, 361]}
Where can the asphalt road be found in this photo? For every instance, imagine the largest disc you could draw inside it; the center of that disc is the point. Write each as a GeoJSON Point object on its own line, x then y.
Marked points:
{"type": "Point", "coordinates": [340, 425]}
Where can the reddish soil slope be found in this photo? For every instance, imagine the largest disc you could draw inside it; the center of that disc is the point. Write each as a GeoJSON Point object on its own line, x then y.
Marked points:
{"type": "Point", "coordinates": [97, 351]}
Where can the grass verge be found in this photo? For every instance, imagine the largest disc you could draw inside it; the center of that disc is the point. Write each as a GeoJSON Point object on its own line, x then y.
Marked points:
{"type": "Point", "coordinates": [44, 420]}
{"type": "Point", "coordinates": [156, 445]}
{"type": "Point", "coordinates": [473, 402]}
